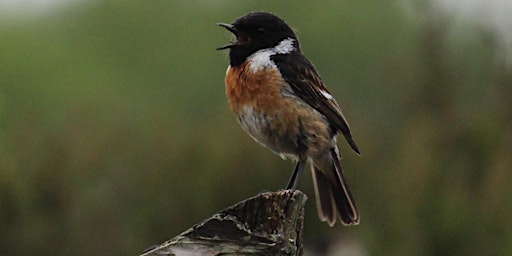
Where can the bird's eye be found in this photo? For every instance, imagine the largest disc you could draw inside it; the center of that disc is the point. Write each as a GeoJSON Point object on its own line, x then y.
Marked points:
{"type": "Point", "coordinates": [261, 31]}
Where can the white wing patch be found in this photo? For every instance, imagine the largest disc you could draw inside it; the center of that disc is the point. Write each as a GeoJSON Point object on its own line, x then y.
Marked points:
{"type": "Point", "coordinates": [326, 94]}
{"type": "Point", "coordinates": [261, 59]}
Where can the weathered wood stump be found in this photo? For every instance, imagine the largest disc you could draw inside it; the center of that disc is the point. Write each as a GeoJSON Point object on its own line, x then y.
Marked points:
{"type": "Point", "coordinates": [268, 224]}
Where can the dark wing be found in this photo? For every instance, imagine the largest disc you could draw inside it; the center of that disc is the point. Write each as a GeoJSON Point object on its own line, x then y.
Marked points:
{"type": "Point", "coordinates": [303, 78]}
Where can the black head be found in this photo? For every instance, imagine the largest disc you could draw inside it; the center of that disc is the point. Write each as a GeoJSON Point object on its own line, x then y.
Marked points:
{"type": "Point", "coordinates": [256, 31]}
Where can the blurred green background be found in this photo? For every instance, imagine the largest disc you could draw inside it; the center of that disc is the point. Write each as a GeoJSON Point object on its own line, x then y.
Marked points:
{"type": "Point", "coordinates": [115, 133]}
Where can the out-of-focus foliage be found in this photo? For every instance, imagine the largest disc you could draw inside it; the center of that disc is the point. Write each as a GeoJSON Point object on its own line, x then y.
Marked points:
{"type": "Point", "coordinates": [115, 133]}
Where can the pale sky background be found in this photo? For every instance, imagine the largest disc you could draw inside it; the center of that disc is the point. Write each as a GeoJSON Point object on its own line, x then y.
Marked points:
{"type": "Point", "coordinates": [34, 7]}
{"type": "Point", "coordinates": [495, 15]}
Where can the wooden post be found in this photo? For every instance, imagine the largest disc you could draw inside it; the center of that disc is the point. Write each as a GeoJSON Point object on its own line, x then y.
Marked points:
{"type": "Point", "coordinates": [269, 223]}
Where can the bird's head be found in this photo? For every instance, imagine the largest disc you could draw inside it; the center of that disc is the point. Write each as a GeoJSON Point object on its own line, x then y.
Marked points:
{"type": "Point", "coordinates": [256, 31]}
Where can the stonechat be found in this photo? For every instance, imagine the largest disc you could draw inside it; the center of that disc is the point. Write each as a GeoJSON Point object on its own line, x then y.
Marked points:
{"type": "Point", "coordinates": [279, 99]}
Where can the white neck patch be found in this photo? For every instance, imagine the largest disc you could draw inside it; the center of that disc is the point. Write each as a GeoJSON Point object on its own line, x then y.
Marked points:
{"type": "Point", "coordinates": [261, 59]}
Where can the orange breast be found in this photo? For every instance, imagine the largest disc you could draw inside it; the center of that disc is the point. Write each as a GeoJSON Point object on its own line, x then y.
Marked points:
{"type": "Point", "coordinates": [283, 123]}
{"type": "Point", "coordinates": [259, 90]}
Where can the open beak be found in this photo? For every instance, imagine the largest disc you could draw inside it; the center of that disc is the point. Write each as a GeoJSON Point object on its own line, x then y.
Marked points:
{"type": "Point", "coordinates": [233, 30]}
{"type": "Point", "coordinates": [229, 27]}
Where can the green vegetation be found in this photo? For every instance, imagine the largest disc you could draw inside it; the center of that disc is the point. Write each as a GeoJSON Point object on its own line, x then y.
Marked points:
{"type": "Point", "coordinates": [115, 133]}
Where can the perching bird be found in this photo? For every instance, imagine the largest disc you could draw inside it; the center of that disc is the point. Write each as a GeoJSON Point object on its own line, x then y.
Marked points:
{"type": "Point", "coordinates": [280, 100]}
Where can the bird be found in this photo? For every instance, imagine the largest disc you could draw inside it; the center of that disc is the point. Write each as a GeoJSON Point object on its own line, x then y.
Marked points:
{"type": "Point", "coordinates": [279, 99]}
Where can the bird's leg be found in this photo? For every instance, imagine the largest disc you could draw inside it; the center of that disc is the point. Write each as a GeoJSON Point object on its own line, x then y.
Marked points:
{"type": "Point", "coordinates": [294, 181]}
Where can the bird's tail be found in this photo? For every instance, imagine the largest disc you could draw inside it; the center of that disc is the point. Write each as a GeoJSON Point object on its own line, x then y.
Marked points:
{"type": "Point", "coordinates": [333, 196]}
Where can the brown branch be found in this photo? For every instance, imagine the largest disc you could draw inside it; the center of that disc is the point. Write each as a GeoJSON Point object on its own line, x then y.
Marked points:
{"type": "Point", "coordinates": [268, 224]}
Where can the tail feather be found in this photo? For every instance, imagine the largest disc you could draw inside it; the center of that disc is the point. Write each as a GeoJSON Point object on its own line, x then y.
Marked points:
{"type": "Point", "coordinates": [332, 193]}
{"type": "Point", "coordinates": [324, 201]}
